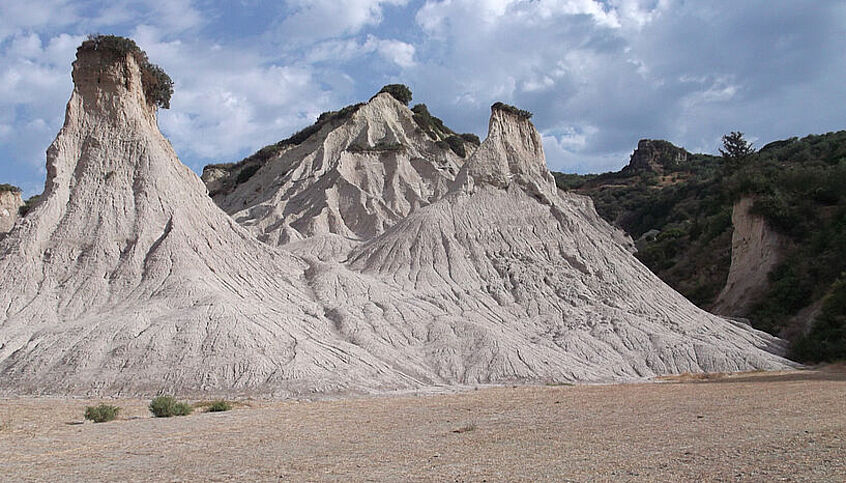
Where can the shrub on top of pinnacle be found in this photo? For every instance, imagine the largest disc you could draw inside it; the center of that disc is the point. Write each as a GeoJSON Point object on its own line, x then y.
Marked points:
{"type": "Point", "coordinates": [4, 187]}
{"type": "Point", "coordinates": [513, 110]}
{"type": "Point", "coordinates": [400, 92]}
{"type": "Point", "coordinates": [158, 86]}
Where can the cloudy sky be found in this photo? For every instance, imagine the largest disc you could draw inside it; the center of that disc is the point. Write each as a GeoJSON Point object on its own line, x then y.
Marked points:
{"type": "Point", "coordinates": [598, 75]}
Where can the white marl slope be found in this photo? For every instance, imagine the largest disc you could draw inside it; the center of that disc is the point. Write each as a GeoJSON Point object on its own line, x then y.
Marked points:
{"type": "Point", "coordinates": [353, 178]}
{"type": "Point", "coordinates": [127, 279]}
{"type": "Point", "coordinates": [529, 283]}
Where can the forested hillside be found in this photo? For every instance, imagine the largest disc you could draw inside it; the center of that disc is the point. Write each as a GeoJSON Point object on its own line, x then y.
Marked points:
{"type": "Point", "coordinates": [678, 208]}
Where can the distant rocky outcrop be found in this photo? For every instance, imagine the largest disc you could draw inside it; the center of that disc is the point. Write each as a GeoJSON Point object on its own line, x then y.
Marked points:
{"type": "Point", "coordinates": [10, 204]}
{"type": "Point", "coordinates": [657, 156]}
{"type": "Point", "coordinates": [126, 279]}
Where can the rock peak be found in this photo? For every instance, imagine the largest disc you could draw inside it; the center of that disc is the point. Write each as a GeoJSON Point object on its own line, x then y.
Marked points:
{"type": "Point", "coordinates": [512, 152]}
{"type": "Point", "coordinates": [116, 66]}
{"type": "Point", "coordinates": [656, 155]}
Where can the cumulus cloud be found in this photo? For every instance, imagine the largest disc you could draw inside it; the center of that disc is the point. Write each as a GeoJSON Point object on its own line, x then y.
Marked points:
{"type": "Point", "coordinates": [685, 71]}
{"type": "Point", "coordinates": [314, 20]}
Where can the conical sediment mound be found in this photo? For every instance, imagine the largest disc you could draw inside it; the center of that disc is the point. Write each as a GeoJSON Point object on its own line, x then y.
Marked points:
{"type": "Point", "coordinates": [539, 277]}
{"type": "Point", "coordinates": [362, 170]}
{"type": "Point", "coordinates": [127, 279]}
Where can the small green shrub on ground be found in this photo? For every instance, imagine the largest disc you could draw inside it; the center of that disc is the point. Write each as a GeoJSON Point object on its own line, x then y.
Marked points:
{"type": "Point", "coordinates": [219, 406]}
{"type": "Point", "coordinates": [102, 413]}
{"type": "Point", "coordinates": [167, 406]}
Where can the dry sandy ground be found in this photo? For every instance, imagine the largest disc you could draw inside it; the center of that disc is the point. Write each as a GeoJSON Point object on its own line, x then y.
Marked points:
{"type": "Point", "coordinates": [749, 427]}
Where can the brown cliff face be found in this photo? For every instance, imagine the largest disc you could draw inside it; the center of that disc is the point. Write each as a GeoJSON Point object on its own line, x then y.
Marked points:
{"type": "Point", "coordinates": [756, 249]}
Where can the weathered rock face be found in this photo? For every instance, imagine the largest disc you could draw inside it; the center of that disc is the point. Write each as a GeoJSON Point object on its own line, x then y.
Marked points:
{"type": "Point", "coordinates": [756, 249]}
{"type": "Point", "coordinates": [656, 156]}
{"type": "Point", "coordinates": [127, 279]}
{"type": "Point", "coordinates": [353, 178]}
{"type": "Point", "coordinates": [10, 203]}
{"type": "Point", "coordinates": [532, 283]}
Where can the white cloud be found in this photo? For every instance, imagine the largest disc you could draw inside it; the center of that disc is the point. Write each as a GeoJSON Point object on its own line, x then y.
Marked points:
{"type": "Point", "coordinates": [217, 114]}
{"type": "Point", "coordinates": [315, 20]}
{"type": "Point", "coordinates": [21, 16]}
{"type": "Point", "coordinates": [395, 51]}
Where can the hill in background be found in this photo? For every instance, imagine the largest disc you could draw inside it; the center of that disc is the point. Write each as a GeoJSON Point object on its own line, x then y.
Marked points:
{"type": "Point", "coordinates": [678, 206]}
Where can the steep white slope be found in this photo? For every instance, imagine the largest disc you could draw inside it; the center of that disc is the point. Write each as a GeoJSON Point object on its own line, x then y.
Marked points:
{"type": "Point", "coordinates": [357, 175]}
{"type": "Point", "coordinates": [126, 278]}
{"type": "Point", "coordinates": [531, 284]}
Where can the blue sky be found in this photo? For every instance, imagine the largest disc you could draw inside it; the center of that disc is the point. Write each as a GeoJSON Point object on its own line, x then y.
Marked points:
{"type": "Point", "coordinates": [599, 75]}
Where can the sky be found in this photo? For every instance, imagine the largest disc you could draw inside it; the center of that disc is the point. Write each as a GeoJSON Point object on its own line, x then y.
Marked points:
{"type": "Point", "coordinates": [598, 75]}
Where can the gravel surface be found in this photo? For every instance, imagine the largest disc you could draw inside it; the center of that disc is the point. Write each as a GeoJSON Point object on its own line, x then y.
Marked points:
{"type": "Point", "coordinates": [787, 426]}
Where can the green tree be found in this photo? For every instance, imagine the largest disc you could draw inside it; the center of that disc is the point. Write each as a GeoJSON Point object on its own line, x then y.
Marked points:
{"type": "Point", "coordinates": [736, 149]}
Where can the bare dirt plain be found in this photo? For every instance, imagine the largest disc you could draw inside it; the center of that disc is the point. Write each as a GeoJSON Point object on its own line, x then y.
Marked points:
{"type": "Point", "coordinates": [788, 426]}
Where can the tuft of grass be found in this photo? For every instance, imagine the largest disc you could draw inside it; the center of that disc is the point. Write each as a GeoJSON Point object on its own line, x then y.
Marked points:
{"type": "Point", "coordinates": [102, 413]}
{"type": "Point", "coordinates": [167, 406]}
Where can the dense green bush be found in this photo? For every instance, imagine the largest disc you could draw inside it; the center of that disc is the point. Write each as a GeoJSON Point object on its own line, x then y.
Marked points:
{"type": "Point", "coordinates": [798, 187]}
{"type": "Point", "coordinates": [246, 173]}
{"type": "Point", "coordinates": [219, 406]}
{"type": "Point", "coordinates": [471, 138]}
{"type": "Point", "coordinates": [456, 144]}
{"type": "Point", "coordinates": [167, 406]}
{"type": "Point", "coordinates": [431, 125]}
{"type": "Point", "coordinates": [9, 188]}
{"type": "Point", "coordinates": [158, 86]}
{"type": "Point", "coordinates": [826, 339]}
{"type": "Point", "coordinates": [102, 413]}
{"type": "Point", "coordinates": [380, 147]}
{"type": "Point", "coordinates": [400, 92]}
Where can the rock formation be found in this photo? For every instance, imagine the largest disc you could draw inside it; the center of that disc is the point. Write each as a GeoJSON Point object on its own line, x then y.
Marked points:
{"type": "Point", "coordinates": [756, 249]}
{"type": "Point", "coordinates": [127, 279]}
{"type": "Point", "coordinates": [10, 204]}
{"type": "Point", "coordinates": [361, 171]}
{"type": "Point", "coordinates": [656, 156]}
{"type": "Point", "coordinates": [534, 283]}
